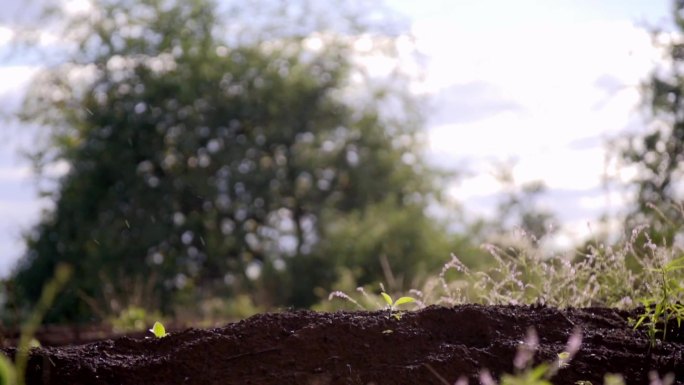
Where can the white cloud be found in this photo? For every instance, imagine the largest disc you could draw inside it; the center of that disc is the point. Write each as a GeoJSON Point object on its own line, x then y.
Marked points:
{"type": "Point", "coordinates": [77, 7]}
{"type": "Point", "coordinates": [13, 84]}
{"type": "Point", "coordinates": [6, 35]}
{"type": "Point", "coordinates": [569, 82]}
{"type": "Point", "coordinates": [15, 174]}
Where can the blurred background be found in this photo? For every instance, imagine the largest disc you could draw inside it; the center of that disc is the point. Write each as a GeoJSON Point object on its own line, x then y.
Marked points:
{"type": "Point", "coordinates": [203, 159]}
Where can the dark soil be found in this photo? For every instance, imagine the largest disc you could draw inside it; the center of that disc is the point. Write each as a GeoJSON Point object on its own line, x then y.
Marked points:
{"type": "Point", "coordinates": [367, 348]}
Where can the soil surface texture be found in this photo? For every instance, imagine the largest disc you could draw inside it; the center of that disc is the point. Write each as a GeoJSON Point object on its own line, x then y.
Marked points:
{"type": "Point", "coordinates": [436, 345]}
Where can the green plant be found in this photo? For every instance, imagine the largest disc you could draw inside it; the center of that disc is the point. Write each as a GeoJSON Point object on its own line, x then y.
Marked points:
{"type": "Point", "coordinates": [159, 330]}
{"type": "Point", "coordinates": [665, 305]}
{"type": "Point", "coordinates": [392, 305]}
{"type": "Point", "coordinates": [14, 373]}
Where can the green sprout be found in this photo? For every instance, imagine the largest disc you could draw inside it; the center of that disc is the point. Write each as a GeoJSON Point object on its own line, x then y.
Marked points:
{"type": "Point", "coordinates": [159, 330]}
{"type": "Point", "coordinates": [563, 359]}
{"type": "Point", "coordinates": [392, 305]}
{"type": "Point", "coordinates": [664, 307]}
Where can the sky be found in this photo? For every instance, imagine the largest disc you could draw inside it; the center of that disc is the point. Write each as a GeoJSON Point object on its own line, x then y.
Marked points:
{"type": "Point", "coordinates": [542, 86]}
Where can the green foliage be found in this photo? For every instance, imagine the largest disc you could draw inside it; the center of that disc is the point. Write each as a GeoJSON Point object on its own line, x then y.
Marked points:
{"type": "Point", "coordinates": [392, 243]}
{"type": "Point", "coordinates": [132, 318]}
{"type": "Point", "coordinates": [665, 304]}
{"type": "Point", "coordinates": [199, 154]}
{"type": "Point", "coordinates": [159, 330]}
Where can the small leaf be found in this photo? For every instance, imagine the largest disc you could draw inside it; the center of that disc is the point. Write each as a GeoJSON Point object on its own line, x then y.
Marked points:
{"type": "Point", "coordinates": [158, 330]}
{"type": "Point", "coordinates": [387, 298]}
{"type": "Point", "coordinates": [404, 300]}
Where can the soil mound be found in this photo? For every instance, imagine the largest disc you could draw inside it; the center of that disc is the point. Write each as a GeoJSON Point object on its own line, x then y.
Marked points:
{"type": "Point", "coordinates": [429, 346]}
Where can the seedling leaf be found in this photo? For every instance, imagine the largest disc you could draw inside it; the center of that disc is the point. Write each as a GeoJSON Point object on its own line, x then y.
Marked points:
{"type": "Point", "coordinates": [404, 300]}
{"type": "Point", "coordinates": [387, 298]}
{"type": "Point", "coordinates": [158, 330]}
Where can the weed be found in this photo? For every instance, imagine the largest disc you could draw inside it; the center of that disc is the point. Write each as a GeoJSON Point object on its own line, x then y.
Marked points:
{"type": "Point", "coordinates": [664, 306]}
{"type": "Point", "coordinates": [345, 296]}
{"type": "Point", "coordinates": [521, 272]}
{"type": "Point", "coordinates": [159, 330]}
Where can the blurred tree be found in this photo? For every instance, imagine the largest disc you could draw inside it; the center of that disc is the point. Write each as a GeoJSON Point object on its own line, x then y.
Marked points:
{"type": "Point", "coordinates": [520, 207]}
{"type": "Point", "coordinates": [204, 159]}
{"type": "Point", "coordinates": [657, 156]}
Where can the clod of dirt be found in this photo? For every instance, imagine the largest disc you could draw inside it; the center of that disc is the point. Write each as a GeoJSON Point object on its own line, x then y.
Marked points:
{"type": "Point", "coordinates": [311, 348]}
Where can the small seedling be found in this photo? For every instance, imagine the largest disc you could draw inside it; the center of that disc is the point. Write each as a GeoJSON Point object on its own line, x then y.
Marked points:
{"type": "Point", "coordinates": [392, 305]}
{"type": "Point", "coordinates": [563, 359]}
{"type": "Point", "coordinates": [159, 330]}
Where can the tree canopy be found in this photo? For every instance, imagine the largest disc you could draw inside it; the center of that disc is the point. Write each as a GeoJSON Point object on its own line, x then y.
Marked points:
{"type": "Point", "coordinates": [203, 164]}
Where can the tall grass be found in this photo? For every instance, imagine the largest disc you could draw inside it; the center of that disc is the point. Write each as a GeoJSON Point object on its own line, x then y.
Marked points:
{"type": "Point", "coordinates": [613, 276]}
{"type": "Point", "coordinates": [522, 272]}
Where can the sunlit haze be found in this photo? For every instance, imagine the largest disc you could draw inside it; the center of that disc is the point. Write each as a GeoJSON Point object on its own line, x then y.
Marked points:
{"type": "Point", "coordinates": [542, 86]}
